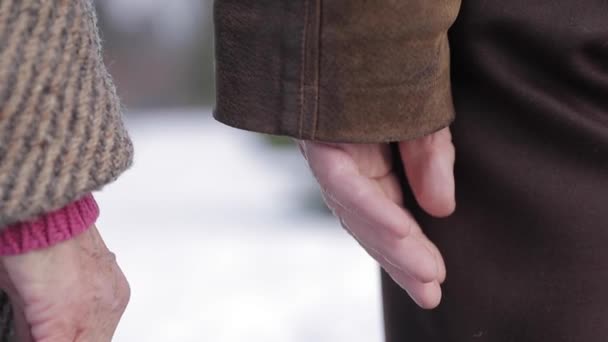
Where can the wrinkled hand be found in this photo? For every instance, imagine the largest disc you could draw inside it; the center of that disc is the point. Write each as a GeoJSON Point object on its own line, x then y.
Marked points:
{"type": "Point", "coordinates": [360, 186]}
{"type": "Point", "coordinates": [71, 292]}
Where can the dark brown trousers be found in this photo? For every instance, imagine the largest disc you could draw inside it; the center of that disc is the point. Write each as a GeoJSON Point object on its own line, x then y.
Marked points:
{"type": "Point", "coordinates": [527, 250]}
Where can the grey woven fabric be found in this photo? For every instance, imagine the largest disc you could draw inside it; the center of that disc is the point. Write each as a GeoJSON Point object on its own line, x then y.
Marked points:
{"type": "Point", "coordinates": [61, 132]}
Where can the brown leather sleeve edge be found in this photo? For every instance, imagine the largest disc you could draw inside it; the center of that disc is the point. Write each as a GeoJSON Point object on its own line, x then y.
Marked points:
{"type": "Point", "coordinates": [341, 109]}
{"type": "Point", "coordinates": [324, 77]}
{"type": "Point", "coordinates": [414, 112]}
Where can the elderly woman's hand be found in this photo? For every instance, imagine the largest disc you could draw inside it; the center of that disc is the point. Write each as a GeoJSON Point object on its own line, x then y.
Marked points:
{"type": "Point", "coordinates": [73, 291]}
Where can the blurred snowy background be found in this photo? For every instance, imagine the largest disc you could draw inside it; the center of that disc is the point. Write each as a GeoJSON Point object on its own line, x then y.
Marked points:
{"type": "Point", "coordinates": [220, 232]}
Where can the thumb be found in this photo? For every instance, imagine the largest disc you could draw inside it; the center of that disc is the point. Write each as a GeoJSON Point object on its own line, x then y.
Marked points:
{"type": "Point", "coordinates": [429, 166]}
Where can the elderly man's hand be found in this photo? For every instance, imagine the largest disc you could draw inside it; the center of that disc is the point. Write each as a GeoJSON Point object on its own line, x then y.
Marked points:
{"type": "Point", "coordinates": [71, 292]}
{"type": "Point", "coordinates": [359, 184]}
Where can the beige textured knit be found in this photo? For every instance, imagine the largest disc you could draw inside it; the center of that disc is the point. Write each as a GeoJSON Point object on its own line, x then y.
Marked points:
{"type": "Point", "coordinates": [61, 132]}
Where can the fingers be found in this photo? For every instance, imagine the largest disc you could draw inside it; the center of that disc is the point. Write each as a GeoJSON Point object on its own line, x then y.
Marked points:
{"type": "Point", "coordinates": [425, 292]}
{"type": "Point", "coordinates": [429, 165]}
{"type": "Point", "coordinates": [426, 295]}
{"type": "Point", "coordinates": [410, 255]}
{"type": "Point", "coordinates": [441, 269]}
{"type": "Point", "coordinates": [358, 184]}
{"type": "Point", "coordinates": [391, 187]}
{"type": "Point", "coordinates": [342, 182]}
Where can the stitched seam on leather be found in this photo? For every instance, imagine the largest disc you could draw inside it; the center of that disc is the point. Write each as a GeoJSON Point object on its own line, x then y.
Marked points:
{"type": "Point", "coordinates": [315, 117]}
{"type": "Point", "coordinates": [302, 69]}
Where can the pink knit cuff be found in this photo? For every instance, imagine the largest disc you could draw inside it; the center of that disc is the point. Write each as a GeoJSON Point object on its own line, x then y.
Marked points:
{"type": "Point", "coordinates": [49, 229]}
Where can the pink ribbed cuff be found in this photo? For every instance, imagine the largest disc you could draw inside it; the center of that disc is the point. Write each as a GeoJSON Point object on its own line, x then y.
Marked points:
{"type": "Point", "coordinates": [49, 229]}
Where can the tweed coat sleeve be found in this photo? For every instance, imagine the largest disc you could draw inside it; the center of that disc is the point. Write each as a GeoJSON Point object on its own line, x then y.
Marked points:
{"type": "Point", "coordinates": [335, 70]}
{"type": "Point", "coordinates": [61, 131]}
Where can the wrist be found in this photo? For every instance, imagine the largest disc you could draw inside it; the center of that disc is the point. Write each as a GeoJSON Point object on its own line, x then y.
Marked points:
{"type": "Point", "coordinates": [49, 229]}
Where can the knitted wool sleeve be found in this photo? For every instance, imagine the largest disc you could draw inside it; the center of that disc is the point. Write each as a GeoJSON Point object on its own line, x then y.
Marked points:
{"type": "Point", "coordinates": [49, 229]}
{"type": "Point", "coordinates": [61, 131]}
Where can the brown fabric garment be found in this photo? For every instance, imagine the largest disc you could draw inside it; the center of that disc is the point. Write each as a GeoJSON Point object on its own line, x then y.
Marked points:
{"type": "Point", "coordinates": [61, 133]}
{"type": "Point", "coordinates": [340, 70]}
{"type": "Point", "coordinates": [526, 251]}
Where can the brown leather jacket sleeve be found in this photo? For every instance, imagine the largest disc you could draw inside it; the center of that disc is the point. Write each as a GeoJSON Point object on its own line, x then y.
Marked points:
{"type": "Point", "coordinates": [335, 70]}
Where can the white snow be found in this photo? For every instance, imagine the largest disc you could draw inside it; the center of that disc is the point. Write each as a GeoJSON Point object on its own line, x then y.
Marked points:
{"type": "Point", "coordinates": [211, 232]}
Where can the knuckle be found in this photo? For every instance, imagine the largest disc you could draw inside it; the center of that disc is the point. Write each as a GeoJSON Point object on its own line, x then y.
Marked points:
{"type": "Point", "coordinates": [122, 294]}
{"type": "Point", "coordinates": [117, 288]}
{"type": "Point", "coordinates": [360, 194]}
{"type": "Point", "coordinates": [441, 141]}
{"type": "Point", "coordinates": [333, 174]}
